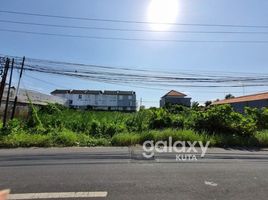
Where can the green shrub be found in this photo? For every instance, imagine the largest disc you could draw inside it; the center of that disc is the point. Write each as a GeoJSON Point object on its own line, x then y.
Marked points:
{"type": "Point", "coordinates": [52, 109]}
{"type": "Point", "coordinates": [34, 121]}
{"type": "Point", "coordinates": [26, 140]}
{"type": "Point", "coordinates": [176, 135]}
{"type": "Point", "coordinates": [259, 116]}
{"type": "Point", "coordinates": [182, 135]}
{"type": "Point", "coordinates": [262, 137]}
{"type": "Point", "coordinates": [178, 121]}
{"type": "Point", "coordinates": [176, 109]}
{"type": "Point", "coordinates": [138, 121]}
{"type": "Point", "coordinates": [89, 141]}
{"type": "Point", "coordinates": [234, 140]}
{"type": "Point", "coordinates": [95, 128]}
{"type": "Point", "coordinates": [147, 136]}
{"type": "Point", "coordinates": [98, 142]}
{"type": "Point", "coordinates": [125, 139]}
{"type": "Point", "coordinates": [222, 119]}
{"type": "Point", "coordinates": [13, 126]}
{"type": "Point", "coordinates": [159, 118]}
{"type": "Point", "coordinates": [65, 138]}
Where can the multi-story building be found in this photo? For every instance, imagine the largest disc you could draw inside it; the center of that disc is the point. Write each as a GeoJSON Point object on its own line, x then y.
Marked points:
{"type": "Point", "coordinates": [175, 98]}
{"type": "Point", "coordinates": [99, 100]}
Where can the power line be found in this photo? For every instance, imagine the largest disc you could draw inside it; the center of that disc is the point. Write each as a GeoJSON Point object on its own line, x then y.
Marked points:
{"type": "Point", "coordinates": [47, 82]}
{"type": "Point", "coordinates": [45, 65]}
{"type": "Point", "coordinates": [127, 81]}
{"type": "Point", "coordinates": [133, 77]}
{"type": "Point", "coordinates": [141, 87]}
{"type": "Point", "coordinates": [135, 39]}
{"type": "Point", "coordinates": [131, 21]}
{"type": "Point", "coordinates": [129, 30]}
{"type": "Point", "coordinates": [153, 77]}
{"type": "Point", "coordinates": [132, 71]}
{"type": "Point", "coordinates": [163, 86]}
{"type": "Point", "coordinates": [138, 68]}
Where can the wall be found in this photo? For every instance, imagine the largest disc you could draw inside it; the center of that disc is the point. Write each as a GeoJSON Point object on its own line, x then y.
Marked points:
{"type": "Point", "coordinates": [175, 100]}
{"type": "Point", "coordinates": [127, 101]}
{"type": "Point", "coordinates": [239, 107]}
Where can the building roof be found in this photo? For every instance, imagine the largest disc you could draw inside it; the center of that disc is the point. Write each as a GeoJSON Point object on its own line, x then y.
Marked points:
{"type": "Point", "coordinates": [247, 98]}
{"type": "Point", "coordinates": [174, 93]}
{"type": "Point", "coordinates": [113, 92]}
{"type": "Point", "coordinates": [86, 92]}
{"type": "Point", "coordinates": [60, 92]}
{"type": "Point", "coordinates": [36, 97]}
{"type": "Point", "coordinates": [76, 92]}
{"type": "Point", "coordinates": [109, 92]}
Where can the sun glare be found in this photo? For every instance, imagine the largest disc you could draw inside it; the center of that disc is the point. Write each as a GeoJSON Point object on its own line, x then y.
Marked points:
{"type": "Point", "coordinates": [162, 11]}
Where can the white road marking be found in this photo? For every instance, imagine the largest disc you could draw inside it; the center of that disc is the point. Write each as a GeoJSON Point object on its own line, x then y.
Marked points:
{"type": "Point", "coordinates": [56, 195]}
{"type": "Point", "coordinates": [211, 183]}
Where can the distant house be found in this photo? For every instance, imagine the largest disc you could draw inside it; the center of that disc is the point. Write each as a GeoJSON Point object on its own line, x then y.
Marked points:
{"type": "Point", "coordinates": [175, 98]}
{"type": "Point", "coordinates": [99, 100]}
{"type": "Point", "coordinates": [239, 103]}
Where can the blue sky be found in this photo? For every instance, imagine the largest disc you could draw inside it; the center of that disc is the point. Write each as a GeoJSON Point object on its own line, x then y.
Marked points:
{"type": "Point", "coordinates": [165, 56]}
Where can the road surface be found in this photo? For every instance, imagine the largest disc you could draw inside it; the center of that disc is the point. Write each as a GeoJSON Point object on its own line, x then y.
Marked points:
{"type": "Point", "coordinates": [122, 174]}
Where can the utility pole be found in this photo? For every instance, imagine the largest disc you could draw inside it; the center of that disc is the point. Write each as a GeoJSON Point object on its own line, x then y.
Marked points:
{"type": "Point", "coordinates": [140, 103]}
{"type": "Point", "coordinates": [17, 89]}
{"type": "Point", "coordinates": [3, 81]}
{"type": "Point", "coordinates": [8, 92]}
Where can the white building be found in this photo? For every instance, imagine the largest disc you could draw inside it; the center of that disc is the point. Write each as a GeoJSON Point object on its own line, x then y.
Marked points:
{"type": "Point", "coordinates": [98, 100]}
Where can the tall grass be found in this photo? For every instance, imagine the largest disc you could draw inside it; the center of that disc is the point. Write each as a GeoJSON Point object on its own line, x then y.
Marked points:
{"type": "Point", "coordinates": [262, 137]}
{"type": "Point", "coordinates": [127, 139]}
{"type": "Point", "coordinates": [69, 138]}
{"type": "Point", "coordinates": [218, 140]}
{"type": "Point", "coordinates": [62, 138]}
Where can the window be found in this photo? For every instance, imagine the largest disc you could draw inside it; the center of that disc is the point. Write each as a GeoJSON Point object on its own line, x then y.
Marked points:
{"type": "Point", "coordinates": [120, 97]}
{"type": "Point", "coordinates": [129, 97]}
{"type": "Point", "coordinates": [80, 96]}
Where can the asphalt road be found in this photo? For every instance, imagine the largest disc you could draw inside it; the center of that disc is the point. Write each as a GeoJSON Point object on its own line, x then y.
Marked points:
{"type": "Point", "coordinates": [124, 174]}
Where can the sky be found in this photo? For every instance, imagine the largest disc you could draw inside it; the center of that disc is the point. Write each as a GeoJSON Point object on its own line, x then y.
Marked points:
{"type": "Point", "coordinates": [154, 56]}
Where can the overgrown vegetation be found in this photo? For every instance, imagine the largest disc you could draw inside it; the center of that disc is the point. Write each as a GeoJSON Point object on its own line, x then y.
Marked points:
{"type": "Point", "coordinates": [55, 125]}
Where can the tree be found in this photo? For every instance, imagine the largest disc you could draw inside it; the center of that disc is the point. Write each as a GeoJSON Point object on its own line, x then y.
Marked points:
{"type": "Point", "coordinates": [208, 103]}
{"type": "Point", "coordinates": [229, 96]}
{"type": "Point", "coordinates": [195, 105]}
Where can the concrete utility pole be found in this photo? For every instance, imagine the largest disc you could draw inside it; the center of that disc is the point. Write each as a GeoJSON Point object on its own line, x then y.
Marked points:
{"type": "Point", "coordinates": [17, 89]}
{"type": "Point", "coordinates": [3, 81]}
{"type": "Point", "coordinates": [8, 92]}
